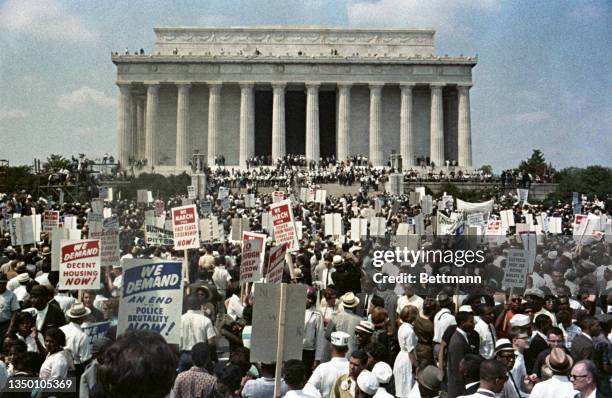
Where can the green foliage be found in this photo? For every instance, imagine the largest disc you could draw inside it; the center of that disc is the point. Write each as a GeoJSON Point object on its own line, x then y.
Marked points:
{"type": "Point", "coordinates": [536, 164]}
{"type": "Point", "coordinates": [469, 195]}
{"type": "Point", "coordinates": [487, 169]}
{"type": "Point", "coordinates": [21, 178]}
{"type": "Point", "coordinates": [162, 187]}
{"type": "Point", "coordinates": [55, 163]}
{"type": "Point", "coordinates": [591, 181]}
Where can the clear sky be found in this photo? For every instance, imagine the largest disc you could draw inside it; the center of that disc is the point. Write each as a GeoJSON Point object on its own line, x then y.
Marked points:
{"type": "Point", "coordinates": [544, 78]}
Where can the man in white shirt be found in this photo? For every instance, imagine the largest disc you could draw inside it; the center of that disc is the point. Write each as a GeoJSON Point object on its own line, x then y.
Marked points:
{"type": "Point", "coordinates": [294, 378]}
{"type": "Point", "coordinates": [195, 328]}
{"type": "Point", "coordinates": [442, 320]}
{"type": "Point", "coordinates": [409, 298]}
{"type": "Point", "coordinates": [559, 385]}
{"type": "Point", "coordinates": [76, 339]}
{"type": "Point", "coordinates": [486, 332]}
{"type": "Point", "coordinates": [325, 375]}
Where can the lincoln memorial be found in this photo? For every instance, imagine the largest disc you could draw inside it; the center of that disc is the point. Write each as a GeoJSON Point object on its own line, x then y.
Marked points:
{"type": "Point", "coordinates": [271, 91]}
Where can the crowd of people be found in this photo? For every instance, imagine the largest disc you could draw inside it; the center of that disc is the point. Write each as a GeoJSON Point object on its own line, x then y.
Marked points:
{"type": "Point", "coordinates": [362, 338]}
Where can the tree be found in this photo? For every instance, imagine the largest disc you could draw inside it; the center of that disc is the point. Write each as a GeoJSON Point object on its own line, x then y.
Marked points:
{"type": "Point", "coordinates": [55, 163]}
{"type": "Point", "coordinates": [536, 164]}
{"type": "Point", "coordinates": [591, 181]}
{"type": "Point", "coordinates": [487, 169]}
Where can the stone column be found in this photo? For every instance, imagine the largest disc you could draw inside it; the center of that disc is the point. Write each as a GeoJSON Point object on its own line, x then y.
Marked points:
{"type": "Point", "coordinates": [214, 105]}
{"type": "Point", "coordinates": [436, 149]}
{"type": "Point", "coordinates": [182, 125]}
{"type": "Point", "coordinates": [376, 144]}
{"type": "Point", "coordinates": [247, 123]}
{"type": "Point", "coordinates": [344, 121]}
{"type": "Point", "coordinates": [151, 124]}
{"type": "Point", "coordinates": [278, 121]}
{"type": "Point", "coordinates": [406, 129]}
{"type": "Point", "coordinates": [464, 128]}
{"type": "Point", "coordinates": [312, 122]}
{"type": "Point", "coordinates": [140, 128]}
{"type": "Point", "coordinates": [124, 124]}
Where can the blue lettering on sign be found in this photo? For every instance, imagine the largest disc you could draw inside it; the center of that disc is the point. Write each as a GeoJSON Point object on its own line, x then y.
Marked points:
{"type": "Point", "coordinates": [152, 277]}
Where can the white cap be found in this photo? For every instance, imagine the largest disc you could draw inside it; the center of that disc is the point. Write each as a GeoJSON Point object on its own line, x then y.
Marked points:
{"type": "Point", "coordinates": [383, 372]}
{"type": "Point", "coordinates": [520, 320]}
{"type": "Point", "coordinates": [465, 308]}
{"type": "Point", "coordinates": [366, 381]}
{"type": "Point", "coordinates": [340, 339]}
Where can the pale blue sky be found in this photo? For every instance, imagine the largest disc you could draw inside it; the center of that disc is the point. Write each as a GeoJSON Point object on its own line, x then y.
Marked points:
{"type": "Point", "coordinates": [543, 80]}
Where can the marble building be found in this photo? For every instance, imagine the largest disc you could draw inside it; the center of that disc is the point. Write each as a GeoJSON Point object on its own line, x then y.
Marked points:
{"type": "Point", "coordinates": [251, 91]}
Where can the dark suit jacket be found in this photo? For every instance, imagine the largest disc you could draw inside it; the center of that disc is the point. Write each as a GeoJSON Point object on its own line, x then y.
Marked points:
{"type": "Point", "coordinates": [55, 318]}
{"type": "Point", "coordinates": [536, 346]}
{"type": "Point", "coordinates": [472, 389]}
{"type": "Point", "coordinates": [582, 348]}
{"type": "Point", "coordinates": [458, 347]}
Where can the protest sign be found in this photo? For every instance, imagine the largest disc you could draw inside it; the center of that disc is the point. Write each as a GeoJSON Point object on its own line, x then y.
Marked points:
{"type": "Point", "coordinates": [70, 222]}
{"type": "Point", "coordinates": [554, 225]}
{"type": "Point", "coordinates": [152, 298]}
{"type": "Point", "coordinates": [515, 272]}
{"type": "Point", "coordinates": [359, 229]}
{"type": "Point", "coordinates": [97, 206]}
{"type": "Point", "coordinates": [103, 193]}
{"type": "Point", "coordinates": [156, 236]}
{"type": "Point", "coordinates": [445, 225]}
{"type": "Point", "coordinates": [191, 192]}
{"type": "Point", "coordinates": [209, 229]}
{"type": "Point", "coordinates": [333, 224]}
{"type": "Point", "coordinates": [185, 227]}
{"type": "Point", "coordinates": [523, 195]}
{"type": "Point", "coordinates": [223, 193]}
{"type": "Point", "coordinates": [420, 191]}
{"type": "Point", "coordinates": [205, 208]}
{"type": "Point", "coordinates": [507, 219]}
{"type": "Point", "coordinates": [249, 200]}
{"type": "Point", "coordinates": [476, 219]}
{"type": "Point", "coordinates": [239, 225]}
{"type": "Point", "coordinates": [427, 204]}
{"type": "Point", "coordinates": [142, 196]}
{"type": "Point", "coordinates": [95, 331]}
{"type": "Point", "coordinates": [278, 315]}
{"type": "Point", "coordinates": [251, 261]}
{"type": "Point", "coordinates": [109, 242]}
{"type": "Point", "coordinates": [284, 227]}
{"type": "Point", "coordinates": [247, 235]}
{"type": "Point", "coordinates": [277, 196]}
{"type": "Point", "coordinates": [321, 196]}
{"type": "Point", "coordinates": [52, 219]}
{"type": "Point", "coordinates": [494, 232]}
{"type": "Point", "coordinates": [276, 264]}
{"type": "Point", "coordinates": [79, 264]}
{"type": "Point", "coordinates": [414, 198]}
{"type": "Point", "coordinates": [225, 204]}
{"type": "Point", "coordinates": [378, 227]}
{"type": "Point", "coordinates": [159, 207]}
{"type": "Point", "coordinates": [530, 244]}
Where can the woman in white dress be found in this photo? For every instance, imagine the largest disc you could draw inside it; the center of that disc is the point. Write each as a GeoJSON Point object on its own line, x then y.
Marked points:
{"type": "Point", "coordinates": [406, 359]}
{"type": "Point", "coordinates": [56, 364]}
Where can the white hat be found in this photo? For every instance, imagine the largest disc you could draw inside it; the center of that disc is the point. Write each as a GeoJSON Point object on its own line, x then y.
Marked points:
{"type": "Point", "coordinates": [383, 372]}
{"type": "Point", "coordinates": [340, 339]}
{"type": "Point", "coordinates": [552, 255]}
{"type": "Point", "coordinates": [367, 382]}
{"type": "Point", "coordinates": [337, 259]}
{"type": "Point", "coordinates": [349, 300]}
{"type": "Point", "coordinates": [503, 345]}
{"type": "Point", "coordinates": [520, 320]}
{"type": "Point", "coordinates": [22, 278]}
{"type": "Point", "coordinates": [78, 310]}
{"type": "Point", "coordinates": [465, 308]}
{"type": "Point", "coordinates": [354, 248]}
